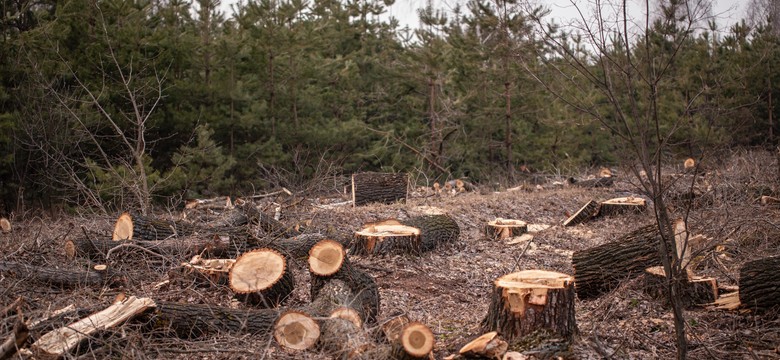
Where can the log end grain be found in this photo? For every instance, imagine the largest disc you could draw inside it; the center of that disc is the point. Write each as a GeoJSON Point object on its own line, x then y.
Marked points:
{"type": "Point", "coordinates": [296, 330]}
{"type": "Point", "coordinates": [5, 226]}
{"type": "Point", "coordinates": [123, 229]}
{"type": "Point", "coordinates": [417, 339]}
{"type": "Point", "coordinates": [326, 257]}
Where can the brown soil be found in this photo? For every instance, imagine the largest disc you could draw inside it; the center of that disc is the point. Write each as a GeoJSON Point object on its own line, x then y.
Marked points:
{"type": "Point", "coordinates": [448, 289]}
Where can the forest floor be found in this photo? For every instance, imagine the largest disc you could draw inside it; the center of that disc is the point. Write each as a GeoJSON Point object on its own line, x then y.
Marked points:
{"type": "Point", "coordinates": [448, 289]}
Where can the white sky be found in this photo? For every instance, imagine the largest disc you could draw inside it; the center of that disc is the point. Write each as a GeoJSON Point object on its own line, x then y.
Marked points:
{"type": "Point", "coordinates": [727, 12]}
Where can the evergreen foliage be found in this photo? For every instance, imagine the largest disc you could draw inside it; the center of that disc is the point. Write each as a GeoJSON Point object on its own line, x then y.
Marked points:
{"type": "Point", "coordinates": [281, 86]}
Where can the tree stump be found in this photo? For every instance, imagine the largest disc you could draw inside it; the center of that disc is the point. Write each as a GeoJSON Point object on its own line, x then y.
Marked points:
{"type": "Point", "coordinates": [585, 213]}
{"type": "Point", "coordinates": [383, 188]}
{"type": "Point", "coordinates": [260, 277]}
{"type": "Point", "coordinates": [296, 331]}
{"type": "Point", "coordinates": [532, 300]}
{"type": "Point", "coordinates": [387, 237]}
{"type": "Point", "coordinates": [759, 283]}
{"type": "Point", "coordinates": [622, 205]}
{"type": "Point", "coordinates": [600, 269]}
{"type": "Point", "coordinates": [502, 229]}
{"type": "Point", "coordinates": [487, 346]}
{"type": "Point", "coordinates": [696, 290]}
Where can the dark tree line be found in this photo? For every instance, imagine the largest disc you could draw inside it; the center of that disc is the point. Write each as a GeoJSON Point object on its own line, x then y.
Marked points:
{"type": "Point", "coordinates": [110, 103]}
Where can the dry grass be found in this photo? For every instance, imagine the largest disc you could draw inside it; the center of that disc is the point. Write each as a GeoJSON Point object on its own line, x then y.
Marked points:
{"type": "Point", "coordinates": [448, 289]}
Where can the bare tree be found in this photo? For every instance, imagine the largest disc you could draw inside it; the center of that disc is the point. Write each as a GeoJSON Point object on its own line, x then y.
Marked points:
{"type": "Point", "coordinates": [630, 74]}
{"type": "Point", "coordinates": [89, 138]}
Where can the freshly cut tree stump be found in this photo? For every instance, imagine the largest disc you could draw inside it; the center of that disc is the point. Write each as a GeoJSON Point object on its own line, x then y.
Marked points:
{"type": "Point", "coordinates": [527, 301]}
{"type": "Point", "coordinates": [502, 229]}
{"type": "Point", "coordinates": [587, 212]}
{"type": "Point", "coordinates": [296, 330]}
{"type": "Point", "coordinates": [328, 256]}
{"type": "Point", "coordinates": [622, 205]}
{"type": "Point", "coordinates": [759, 284]}
{"type": "Point", "coordinates": [387, 237]}
{"type": "Point", "coordinates": [182, 247]}
{"type": "Point", "coordinates": [5, 226]}
{"type": "Point", "coordinates": [487, 346]}
{"type": "Point", "coordinates": [435, 230]}
{"type": "Point", "coordinates": [600, 269]}
{"type": "Point", "coordinates": [261, 277]}
{"type": "Point", "coordinates": [384, 188]}
{"type": "Point", "coordinates": [59, 342]}
{"type": "Point", "coordinates": [189, 321]}
{"type": "Point", "coordinates": [134, 226]}
{"type": "Point", "coordinates": [696, 291]}
{"type": "Point", "coordinates": [65, 278]}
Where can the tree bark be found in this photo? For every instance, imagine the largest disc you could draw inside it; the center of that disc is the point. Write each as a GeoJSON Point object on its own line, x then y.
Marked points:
{"type": "Point", "coordinates": [383, 188]}
{"type": "Point", "coordinates": [759, 284]}
{"type": "Point", "coordinates": [135, 226]}
{"type": "Point", "coordinates": [182, 247]}
{"type": "Point", "coordinates": [195, 320]}
{"type": "Point", "coordinates": [600, 269]}
{"type": "Point", "coordinates": [64, 278]}
{"type": "Point", "coordinates": [434, 230]}
{"type": "Point", "coordinates": [527, 301]}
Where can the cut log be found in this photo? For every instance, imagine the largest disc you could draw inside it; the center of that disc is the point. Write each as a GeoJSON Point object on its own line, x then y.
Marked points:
{"type": "Point", "coordinates": [361, 284]}
{"type": "Point", "coordinates": [261, 277]}
{"type": "Point", "coordinates": [341, 335]}
{"type": "Point", "coordinates": [5, 226]}
{"type": "Point", "coordinates": [759, 284]}
{"type": "Point", "coordinates": [435, 230]}
{"type": "Point", "coordinates": [502, 229]}
{"type": "Point", "coordinates": [587, 212]}
{"type": "Point", "coordinates": [765, 200]}
{"type": "Point", "coordinates": [383, 188]}
{"type": "Point", "coordinates": [696, 291]}
{"type": "Point", "coordinates": [326, 257]}
{"type": "Point", "coordinates": [134, 226]}
{"type": "Point", "coordinates": [595, 183]}
{"type": "Point", "coordinates": [189, 321]}
{"type": "Point", "coordinates": [528, 301]}
{"type": "Point", "coordinates": [296, 330]}
{"type": "Point", "coordinates": [393, 327]}
{"type": "Point", "coordinates": [416, 342]}
{"type": "Point", "coordinates": [182, 247]}
{"type": "Point", "coordinates": [600, 269]}
{"type": "Point", "coordinates": [622, 205]}
{"type": "Point", "coordinates": [59, 342]}
{"type": "Point", "coordinates": [65, 278]}
{"type": "Point", "coordinates": [387, 237]}
{"type": "Point", "coordinates": [487, 346]}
